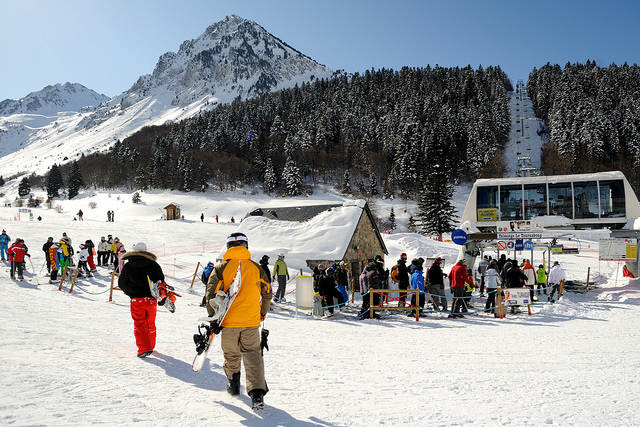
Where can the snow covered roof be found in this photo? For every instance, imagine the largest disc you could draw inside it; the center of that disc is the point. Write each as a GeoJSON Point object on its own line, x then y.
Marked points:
{"type": "Point", "coordinates": [305, 232]}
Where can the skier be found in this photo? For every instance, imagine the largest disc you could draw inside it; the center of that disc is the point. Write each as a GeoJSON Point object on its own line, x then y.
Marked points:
{"type": "Point", "coordinates": [202, 217]}
{"type": "Point", "coordinates": [91, 249]}
{"type": "Point", "coordinates": [53, 259]}
{"type": "Point", "coordinates": [482, 268]}
{"type": "Point", "coordinates": [240, 336]}
{"type": "Point", "coordinates": [204, 279]}
{"type": "Point", "coordinates": [17, 252]}
{"type": "Point", "coordinates": [457, 277]}
{"type": "Point", "coordinates": [83, 255]}
{"type": "Point", "coordinates": [542, 278]}
{"type": "Point", "coordinates": [417, 282]}
{"type": "Point", "coordinates": [342, 278]}
{"type": "Point", "coordinates": [138, 273]}
{"type": "Point", "coordinates": [281, 273]}
{"type": "Point", "coordinates": [492, 280]}
{"type": "Point", "coordinates": [402, 276]}
{"type": "Point", "coordinates": [63, 259]}
{"type": "Point", "coordinates": [530, 272]}
{"type": "Point", "coordinates": [104, 248]}
{"type": "Point", "coordinates": [264, 262]}
{"type": "Point", "coordinates": [4, 245]}
{"type": "Point", "coordinates": [556, 275]}
{"type": "Point", "coordinates": [45, 249]}
{"type": "Point", "coordinates": [435, 278]}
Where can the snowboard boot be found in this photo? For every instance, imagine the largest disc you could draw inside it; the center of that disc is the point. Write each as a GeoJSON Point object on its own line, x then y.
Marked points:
{"type": "Point", "coordinates": [257, 399]}
{"type": "Point", "coordinates": [145, 354]}
{"type": "Point", "coordinates": [233, 388]}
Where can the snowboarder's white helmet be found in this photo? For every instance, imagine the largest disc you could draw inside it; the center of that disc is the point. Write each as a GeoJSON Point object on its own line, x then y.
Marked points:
{"type": "Point", "coordinates": [237, 239]}
{"type": "Point", "coordinates": [280, 255]}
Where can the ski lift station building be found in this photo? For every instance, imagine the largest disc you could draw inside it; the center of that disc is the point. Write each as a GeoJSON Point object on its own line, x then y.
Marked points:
{"type": "Point", "coordinates": [595, 200]}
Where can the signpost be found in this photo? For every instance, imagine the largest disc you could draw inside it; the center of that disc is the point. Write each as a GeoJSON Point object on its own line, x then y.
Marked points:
{"type": "Point", "coordinates": [459, 237]}
{"type": "Point", "coordinates": [618, 249]}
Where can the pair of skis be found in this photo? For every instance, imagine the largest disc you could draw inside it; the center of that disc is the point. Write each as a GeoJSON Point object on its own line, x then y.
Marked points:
{"type": "Point", "coordinates": [211, 326]}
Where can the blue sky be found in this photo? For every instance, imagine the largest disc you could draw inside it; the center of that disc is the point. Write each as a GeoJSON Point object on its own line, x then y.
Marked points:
{"type": "Point", "coordinates": [107, 45]}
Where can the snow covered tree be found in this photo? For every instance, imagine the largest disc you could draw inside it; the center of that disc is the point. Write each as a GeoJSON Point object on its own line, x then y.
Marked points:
{"type": "Point", "coordinates": [270, 181]}
{"type": "Point", "coordinates": [435, 210]}
{"type": "Point", "coordinates": [136, 199]}
{"type": "Point", "coordinates": [291, 179]}
{"type": "Point", "coordinates": [140, 178]}
{"type": "Point", "coordinates": [392, 220]}
{"type": "Point", "coordinates": [346, 185]}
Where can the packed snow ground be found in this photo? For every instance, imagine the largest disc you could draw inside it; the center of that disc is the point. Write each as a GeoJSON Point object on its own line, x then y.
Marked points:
{"type": "Point", "coordinates": [70, 359]}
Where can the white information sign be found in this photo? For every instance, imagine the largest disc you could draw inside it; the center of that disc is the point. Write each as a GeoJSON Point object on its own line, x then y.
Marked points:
{"type": "Point", "coordinates": [523, 236]}
{"type": "Point", "coordinates": [618, 249]}
{"type": "Point", "coordinates": [517, 296]}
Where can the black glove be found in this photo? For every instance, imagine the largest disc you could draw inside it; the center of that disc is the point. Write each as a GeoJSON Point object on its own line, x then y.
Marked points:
{"type": "Point", "coordinates": [263, 340]}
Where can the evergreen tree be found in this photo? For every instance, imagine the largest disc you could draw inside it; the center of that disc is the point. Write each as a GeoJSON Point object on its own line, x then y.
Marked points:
{"type": "Point", "coordinates": [140, 178]}
{"type": "Point", "coordinates": [24, 188]}
{"type": "Point", "coordinates": [202, 178]}
{"type": "Point", "coordinates": [1, 181]}
{"type": "Point", "coordinates": [54, 181]}
{"type": "Point", "coordinates": [136, 199]}
{"type": "Point", "coordinates": [346, 185]}
{"type": "Point", "coordinates": [392, 220]}
{"type": "Point", "coordinates": [270, 181]}
{"type": "Point", "coordinates": [291, 179]}
{"type": "Point", "coordinates": [435, 211]}
{"type": "Point", "coordinates": [75, 180]}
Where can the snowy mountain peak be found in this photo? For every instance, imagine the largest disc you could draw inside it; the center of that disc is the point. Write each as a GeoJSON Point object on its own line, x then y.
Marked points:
{"type": "Point", "coordinates": [53, 99]}
{"type": "Point", "coordinates": [234, 58]}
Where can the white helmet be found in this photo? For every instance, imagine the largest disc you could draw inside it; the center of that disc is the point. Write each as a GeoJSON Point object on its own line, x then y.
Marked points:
{"type": "Point", "coordinates": [280, 255]}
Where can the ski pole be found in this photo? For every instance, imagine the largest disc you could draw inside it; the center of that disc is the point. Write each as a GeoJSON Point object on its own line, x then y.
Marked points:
{"type": "Point", "coordinates": [34, 271]}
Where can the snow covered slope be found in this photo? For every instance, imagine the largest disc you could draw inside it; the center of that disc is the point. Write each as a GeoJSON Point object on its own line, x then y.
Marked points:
{"type": "Point", "coordinates": [233, 59]}
{"type": "Point", "coordinates": [70, 359]}
{"type": "Point", "coordinates": [522, 152]}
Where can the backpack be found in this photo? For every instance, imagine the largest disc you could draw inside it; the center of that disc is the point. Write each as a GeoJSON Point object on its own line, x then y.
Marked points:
{"type": "Point", "coordinates": [394, 273]}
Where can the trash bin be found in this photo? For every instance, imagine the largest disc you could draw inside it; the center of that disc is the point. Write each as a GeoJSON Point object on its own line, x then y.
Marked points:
{"type": "Point", "coordinates": [304, 293]}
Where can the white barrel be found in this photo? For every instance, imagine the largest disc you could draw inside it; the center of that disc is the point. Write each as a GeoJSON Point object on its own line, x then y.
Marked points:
{"type": "Point", "coordinates": [304, 292]}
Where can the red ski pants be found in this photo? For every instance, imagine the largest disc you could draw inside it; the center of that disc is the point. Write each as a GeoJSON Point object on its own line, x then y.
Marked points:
{"type": "Point", "coordinates": [143, 313]}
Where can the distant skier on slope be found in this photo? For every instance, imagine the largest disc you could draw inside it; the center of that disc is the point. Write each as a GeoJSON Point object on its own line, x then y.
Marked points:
{"type": "Point", "coordinates": [240, 336]}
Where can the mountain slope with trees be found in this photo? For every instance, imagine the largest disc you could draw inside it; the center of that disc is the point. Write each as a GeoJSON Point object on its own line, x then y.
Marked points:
{"type": "Point", "coordinates": [593, 118]}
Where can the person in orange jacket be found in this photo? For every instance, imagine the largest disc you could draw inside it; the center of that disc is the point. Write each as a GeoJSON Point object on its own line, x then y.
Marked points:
{"type": "Point", "coordinates": [240, 335]}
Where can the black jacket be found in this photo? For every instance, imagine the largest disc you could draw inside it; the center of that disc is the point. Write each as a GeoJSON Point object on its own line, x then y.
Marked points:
{"type": "Point", "coordinates": [403, 271]}
{"type": "Point", "coordinates": [434, 275]}
{"type": "Point", "coordinates": [139, 268]}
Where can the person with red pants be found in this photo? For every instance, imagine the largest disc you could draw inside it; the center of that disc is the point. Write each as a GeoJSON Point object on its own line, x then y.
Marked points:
{"type": "Point", "coordinates": [457, 277]}
{"type": "Point", "coordinates": [139, 270]}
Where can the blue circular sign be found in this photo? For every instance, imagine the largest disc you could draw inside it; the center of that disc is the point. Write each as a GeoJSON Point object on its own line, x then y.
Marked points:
{"type": "Point", "coordinates": [511, 244]}
{"type": "Point", "coordinates": [459, 237]}
{"type": "Point", "coordinates": [528, 245]}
